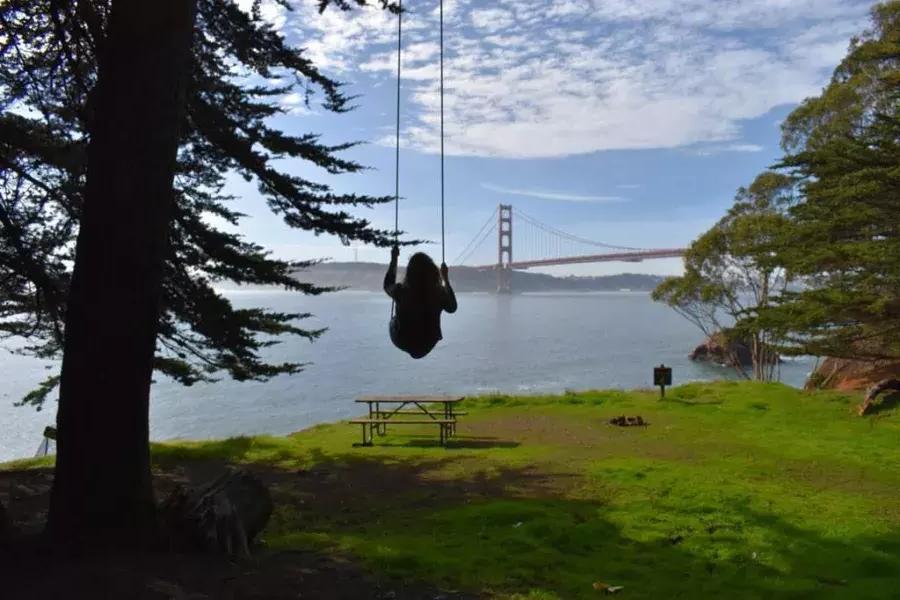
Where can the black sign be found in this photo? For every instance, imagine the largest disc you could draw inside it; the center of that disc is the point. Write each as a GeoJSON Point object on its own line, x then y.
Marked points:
{"type": "Point", "coordinates": [662, 375]}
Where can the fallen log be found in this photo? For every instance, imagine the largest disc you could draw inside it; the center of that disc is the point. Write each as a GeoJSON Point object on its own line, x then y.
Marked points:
{"type": "Point", "coordinates": [882, 386]}
{"type": "Point", "coordinates": [224, 515]}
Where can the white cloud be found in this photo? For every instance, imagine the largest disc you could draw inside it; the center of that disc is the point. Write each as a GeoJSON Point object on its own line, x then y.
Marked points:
{"type": "Point", "coordinates": [295, 104]}
{"type": "Point", "coordinates": [492, 19]}
{"type": "Point", "coordinates": [552, 195]}
{"type": "Point", "coordinates": [540, 78]}
{"type": "Point", "coordinates": [710, 150]}
{"type": "Point", "coordinates": [744, 148]}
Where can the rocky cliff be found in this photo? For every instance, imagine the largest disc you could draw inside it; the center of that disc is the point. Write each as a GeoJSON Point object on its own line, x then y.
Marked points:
{"type": "Point", "coordinates": [852, 374]}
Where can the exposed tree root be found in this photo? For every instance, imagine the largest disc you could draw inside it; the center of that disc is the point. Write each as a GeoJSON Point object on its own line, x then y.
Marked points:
{"type": "Point", "coordinates": [882, 386]}
{"type": "Point", "coordinates": [223, 516]}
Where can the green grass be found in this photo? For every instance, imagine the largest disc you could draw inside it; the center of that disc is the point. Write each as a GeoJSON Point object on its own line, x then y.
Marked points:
{"type": "Point", "coordinates": [734, 490]}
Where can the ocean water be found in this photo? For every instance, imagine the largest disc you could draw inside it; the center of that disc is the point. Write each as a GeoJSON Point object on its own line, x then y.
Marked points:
{"type": "Point", "coordinates": [524, 344]}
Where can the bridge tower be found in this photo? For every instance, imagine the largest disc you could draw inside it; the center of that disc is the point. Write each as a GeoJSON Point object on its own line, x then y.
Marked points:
{"type": "Point", "coordinates": [504, 249]}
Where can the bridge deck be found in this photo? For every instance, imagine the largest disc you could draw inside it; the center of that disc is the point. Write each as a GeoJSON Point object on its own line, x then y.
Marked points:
{"type": "Point", "coordinates": [609, 257]}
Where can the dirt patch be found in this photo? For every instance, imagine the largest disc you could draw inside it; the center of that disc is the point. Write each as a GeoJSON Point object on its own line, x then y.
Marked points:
{"type": "Point", "coordinates": [577, 438]}
{"type": "Point", "coordinates": [538, 428]}
{"type": "Point", "coordinates": [351, 492]}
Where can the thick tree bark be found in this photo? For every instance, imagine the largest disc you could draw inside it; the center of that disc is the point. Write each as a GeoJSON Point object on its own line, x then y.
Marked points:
{"type": "Point", "coordinates": [102, 495]}
{"type": "Point", "coordinates": [5, 525]}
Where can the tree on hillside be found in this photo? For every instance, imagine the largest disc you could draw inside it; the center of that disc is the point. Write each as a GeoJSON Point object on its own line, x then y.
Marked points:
{"type": "Point", "coordinates": [730, 272]}
{"type": "Point", "coordinates": [104, 105]}
{"type": "Point", "coordinates": [844, 239]}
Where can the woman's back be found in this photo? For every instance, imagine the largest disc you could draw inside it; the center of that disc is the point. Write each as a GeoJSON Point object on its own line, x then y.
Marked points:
{"type": "Point", "coordinates": [416, 326]}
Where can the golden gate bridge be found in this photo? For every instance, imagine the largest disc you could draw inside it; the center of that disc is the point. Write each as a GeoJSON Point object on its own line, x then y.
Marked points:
{"type": "Point", "coordinates": [540, 245]}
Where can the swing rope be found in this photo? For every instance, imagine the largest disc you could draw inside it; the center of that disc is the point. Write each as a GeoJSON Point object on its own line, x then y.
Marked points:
{"type": "Point", "coordinates": [443, 245]}
{"type": "Point", "coordinates": [397, 145]}
{"type": "Point", "coordinates": [397, 148]}
{"type": "Point", "coordinates": [397, 134]}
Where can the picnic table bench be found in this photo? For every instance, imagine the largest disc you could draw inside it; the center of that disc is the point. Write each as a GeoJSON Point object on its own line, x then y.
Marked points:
{"type": "Point", "coordinates": [432, 410]}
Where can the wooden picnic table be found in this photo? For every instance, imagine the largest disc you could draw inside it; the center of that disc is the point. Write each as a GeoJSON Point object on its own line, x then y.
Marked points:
{"type": "Point", "coordinates": [386, 409]}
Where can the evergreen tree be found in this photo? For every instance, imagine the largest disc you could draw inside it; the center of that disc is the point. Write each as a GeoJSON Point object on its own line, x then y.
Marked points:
{"type": "Point", "coordinates": [730, 272]}
{"type": "Point", "coordinates": [844, 239]}
{"type": "Point", "coordinates": [120, 121]}
{"type": "Point", "coordinates": [240, 67]}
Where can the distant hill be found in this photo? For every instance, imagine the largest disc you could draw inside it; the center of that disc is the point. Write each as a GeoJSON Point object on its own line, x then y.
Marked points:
{"type": "Point", "coordinates": [370, 276]}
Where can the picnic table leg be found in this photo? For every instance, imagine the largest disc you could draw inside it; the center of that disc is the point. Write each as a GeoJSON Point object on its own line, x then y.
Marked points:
{"type": "Point", "coordinates": [443, 434]}
{"type": "Point", "coordinates": [448, 414]}
{"type": "Point", "coordinates": [378, 416]}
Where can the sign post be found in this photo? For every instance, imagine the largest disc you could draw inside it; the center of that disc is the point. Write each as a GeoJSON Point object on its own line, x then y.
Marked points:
{"type": "Point", "coordinates": [662, 376]}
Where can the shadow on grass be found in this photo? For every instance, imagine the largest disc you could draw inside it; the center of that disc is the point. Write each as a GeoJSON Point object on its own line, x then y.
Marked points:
{"type": "Point", "coordinates": [456, 442]}
{"type": "Point", "coordinates": [474, 526]}
{"type": "Point", "coordinates": [260, 449]}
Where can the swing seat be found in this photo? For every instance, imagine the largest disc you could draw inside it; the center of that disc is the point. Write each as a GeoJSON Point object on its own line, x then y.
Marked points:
{"type": "Point", "coordinates": [403, 344]}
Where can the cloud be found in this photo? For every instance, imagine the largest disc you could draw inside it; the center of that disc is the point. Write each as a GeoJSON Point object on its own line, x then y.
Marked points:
{"type": "Point", "coordinates": [546, 78]}
{"type": "Point", "coordinates": [743, 148]}
{"type": "Point", "coordinates": [492, 19]}
{"type": "Point", "coordinates": [710, 150]}
{"type": "Point", "coordinates": [550, 195]}
{"type": "Point", "coordinates": [295, 104]}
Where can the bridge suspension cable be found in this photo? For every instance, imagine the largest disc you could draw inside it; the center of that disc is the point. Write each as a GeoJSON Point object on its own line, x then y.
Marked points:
{"type": "Point", "coordinates": [475, 243]}
{"type": "Point", "coordinates": [568, 236]}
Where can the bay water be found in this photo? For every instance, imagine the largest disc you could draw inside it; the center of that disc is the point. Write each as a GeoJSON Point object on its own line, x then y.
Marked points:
{"type": "Point", "coordinates": [519, 344]}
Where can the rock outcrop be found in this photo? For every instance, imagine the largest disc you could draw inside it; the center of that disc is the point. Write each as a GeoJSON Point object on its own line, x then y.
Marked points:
{"type": "Point", "coordinates": [717, 349]}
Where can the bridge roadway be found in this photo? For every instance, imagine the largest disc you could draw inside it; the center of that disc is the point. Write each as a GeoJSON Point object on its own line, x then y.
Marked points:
{"type": "Point", "coordinates": [633, 256]}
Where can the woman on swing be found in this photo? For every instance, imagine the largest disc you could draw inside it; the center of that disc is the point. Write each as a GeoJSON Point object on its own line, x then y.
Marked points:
{"type": "Point", "coordinates": [424, 293]}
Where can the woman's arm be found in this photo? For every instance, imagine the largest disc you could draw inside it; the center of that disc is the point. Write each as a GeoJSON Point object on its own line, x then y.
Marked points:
{"type": "Point", "coordinates": [449, 297]}
{"type": "Point", "coordinates": [390, 278]}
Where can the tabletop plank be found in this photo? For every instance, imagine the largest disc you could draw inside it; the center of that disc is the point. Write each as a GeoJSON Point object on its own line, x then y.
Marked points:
{"type": "Point", "coordinates": [403, 399]}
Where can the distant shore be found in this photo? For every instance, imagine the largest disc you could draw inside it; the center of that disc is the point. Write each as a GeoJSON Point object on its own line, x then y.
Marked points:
{"type": "Point", "coordinates": [363, 276]}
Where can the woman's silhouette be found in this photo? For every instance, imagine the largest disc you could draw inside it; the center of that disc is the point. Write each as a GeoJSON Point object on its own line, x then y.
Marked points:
{"type": "Point", "coordinates": [424, 293]}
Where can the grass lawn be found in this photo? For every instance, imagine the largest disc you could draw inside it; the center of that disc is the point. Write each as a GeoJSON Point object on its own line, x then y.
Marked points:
{"type": "Point", "coordinates": [733, 490]}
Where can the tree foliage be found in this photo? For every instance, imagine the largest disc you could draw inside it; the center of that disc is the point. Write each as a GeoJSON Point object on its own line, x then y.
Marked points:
{"type": "Point", "coordinates": [241, 67]}
{"type": "Point", "coordinates": [843, 146]}
{"type": "Point", "coordinates": [730, 272]}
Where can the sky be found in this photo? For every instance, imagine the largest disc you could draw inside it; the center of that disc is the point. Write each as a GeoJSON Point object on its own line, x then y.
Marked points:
{"type": "Point", "coordinates": [630, 122]}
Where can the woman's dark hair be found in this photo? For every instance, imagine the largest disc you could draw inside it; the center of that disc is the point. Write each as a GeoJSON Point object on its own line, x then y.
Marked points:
{"type": "Point", "coordinates": [422, 276]}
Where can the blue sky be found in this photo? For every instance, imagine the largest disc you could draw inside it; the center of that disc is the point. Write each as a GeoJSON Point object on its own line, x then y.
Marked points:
{"type": "Point", "coordinates": [624, 121]}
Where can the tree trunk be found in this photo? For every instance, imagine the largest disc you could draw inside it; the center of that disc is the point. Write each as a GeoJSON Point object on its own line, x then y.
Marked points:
{"type": "Point", "coordinates": [102, 495]}
{"type": "Point", "coordinates": [5, 525]}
